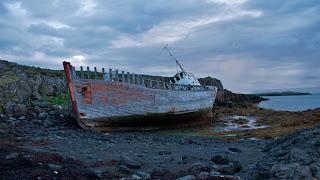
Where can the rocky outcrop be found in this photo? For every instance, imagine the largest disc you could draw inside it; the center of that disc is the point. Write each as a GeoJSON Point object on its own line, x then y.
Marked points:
{"type": "Point", "coordinates": [20, 85]}
{"type": "Point", "coordinates": [295, 156]}
{"type": "Point", "coordinates": [226, 97]}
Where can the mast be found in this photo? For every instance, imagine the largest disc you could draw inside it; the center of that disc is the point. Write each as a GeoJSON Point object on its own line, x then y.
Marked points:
{"type": "Point", "coordinates": [175, 59]}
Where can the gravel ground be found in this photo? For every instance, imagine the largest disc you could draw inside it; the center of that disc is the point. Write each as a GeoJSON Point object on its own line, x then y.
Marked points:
{"type": "Point", "coordinates": [52, 146]}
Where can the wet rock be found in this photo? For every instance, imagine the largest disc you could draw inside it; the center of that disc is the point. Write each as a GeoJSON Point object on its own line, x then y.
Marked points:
{"type": "Point", "coordinates": [20, 110]}
{"type": "Point", "coordinates": [203, 175]}
{"type": "Point", "coordinates": [131, 163]}
{"type": "Point", "coordinates": [187, 177]}
{"type": "Point", "coordinates": [227, 169]}
{"type": "Point", "coordinates": [42, 104]}
{"type": "Point", "coordinates": [218, 159]}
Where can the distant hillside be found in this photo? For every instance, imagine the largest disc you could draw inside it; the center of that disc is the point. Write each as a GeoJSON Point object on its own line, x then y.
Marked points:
{"type": "Point", "coordinates": [284, 93]}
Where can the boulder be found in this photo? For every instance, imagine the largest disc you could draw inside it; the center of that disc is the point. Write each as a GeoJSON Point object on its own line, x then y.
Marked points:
{"type": "Point", "coordinates": [20, 110]}
{"type": "Point", "coordinates": [219, 159]}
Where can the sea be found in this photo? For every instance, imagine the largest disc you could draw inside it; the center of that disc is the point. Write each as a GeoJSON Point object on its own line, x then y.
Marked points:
{"type": "Point", "coordinates": [291, 103]}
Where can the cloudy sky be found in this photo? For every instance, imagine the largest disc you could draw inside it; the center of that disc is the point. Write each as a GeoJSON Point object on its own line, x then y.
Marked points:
{"type": "Point", "coordinates": [248, 44]}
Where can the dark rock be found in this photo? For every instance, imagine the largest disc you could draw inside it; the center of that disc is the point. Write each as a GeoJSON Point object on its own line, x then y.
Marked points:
{"type": "Point", "coordinates": [227, 169]}
{"type": "Point", "coordinates": [234, 149]}
{"type": "Point", "coordinates": [20, 110]}
{"type": "Point", "coordinates": [237, 166]}
{"type": "Point", "coordinates": [218, 159]}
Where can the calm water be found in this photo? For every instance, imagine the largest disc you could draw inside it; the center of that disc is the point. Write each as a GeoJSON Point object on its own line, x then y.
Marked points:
{"type": "Point", "coordinates": [291, 103]}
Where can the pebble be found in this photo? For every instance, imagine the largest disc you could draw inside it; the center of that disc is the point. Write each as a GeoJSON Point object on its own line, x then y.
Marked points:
{"type": "Point", "coordinates": [54, 166]}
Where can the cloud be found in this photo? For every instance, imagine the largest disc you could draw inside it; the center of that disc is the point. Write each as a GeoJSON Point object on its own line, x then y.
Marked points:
{"type": "Point", "coordinates": [248, 44]}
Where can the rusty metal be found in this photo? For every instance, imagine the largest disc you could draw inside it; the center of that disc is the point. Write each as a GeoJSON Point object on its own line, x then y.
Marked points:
{"type": "Point", "coordinates": [101, 104]}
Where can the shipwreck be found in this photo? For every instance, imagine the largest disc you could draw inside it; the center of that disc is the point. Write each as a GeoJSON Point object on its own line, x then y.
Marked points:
{"type": "Point", "coordinates": [104, 100]}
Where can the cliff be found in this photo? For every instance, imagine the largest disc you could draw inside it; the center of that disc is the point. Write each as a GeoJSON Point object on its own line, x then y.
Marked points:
{"type": "Point", "coordinates": [226, 97]}
{"type": "Point", "coordinates": [22, 87]}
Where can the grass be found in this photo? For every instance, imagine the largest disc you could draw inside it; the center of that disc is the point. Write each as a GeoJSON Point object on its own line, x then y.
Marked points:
{"type": "Point", "coordinates": [279, 122]}
{"type": "Point", "coordinates": [62, 99]}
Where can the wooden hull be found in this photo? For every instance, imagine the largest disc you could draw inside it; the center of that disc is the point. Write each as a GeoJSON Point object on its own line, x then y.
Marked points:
{"type": "Point", "coordinates": [100, 104]}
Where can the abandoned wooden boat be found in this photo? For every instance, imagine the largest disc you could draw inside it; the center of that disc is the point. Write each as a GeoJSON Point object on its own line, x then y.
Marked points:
{"type": "Point", "coordinates": [102, 101]}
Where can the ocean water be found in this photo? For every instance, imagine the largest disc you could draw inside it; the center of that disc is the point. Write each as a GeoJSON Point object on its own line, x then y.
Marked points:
{"type": "Point", "coordinates": [291, 103]}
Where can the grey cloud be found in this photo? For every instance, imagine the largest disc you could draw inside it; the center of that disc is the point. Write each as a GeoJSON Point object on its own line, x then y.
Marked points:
{"type": "Point", "coordinates": [280, 46]}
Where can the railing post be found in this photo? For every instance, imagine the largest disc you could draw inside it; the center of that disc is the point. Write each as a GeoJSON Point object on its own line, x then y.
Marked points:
{"type": "Point", "coordinates": [110, 75]}
{"type": "Point", "coordinates": [142, 81]}
{"type": "Point", "coordinates": [122, 76]}
{"type": "Point", "coordinates": [150, 83]}
{"type": "Point", "coordinates": [133, 78]}
{"type": "Point", "coordinates": [88, 72]}
{"type": "Point", "coordinates": [81, 72]}
{"type": "Point", "coordinates": [117, 75]}
{"type": "Point", "coordinates": [128, 77]}
{"type": "Point", "coordinates": [95, 73]}
{"type": "Point", "coordinates": [138, 79]}
{"type": "Point", "coordinates": [103, 73]}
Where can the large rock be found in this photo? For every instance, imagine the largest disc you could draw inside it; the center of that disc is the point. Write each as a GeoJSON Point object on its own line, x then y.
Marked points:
{"type": "Point", "coordinates": [20, 110]}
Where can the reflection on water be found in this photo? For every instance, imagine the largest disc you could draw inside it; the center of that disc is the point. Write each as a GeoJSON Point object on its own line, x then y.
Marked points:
{"type": "Point", "coordinates": [236, 123]}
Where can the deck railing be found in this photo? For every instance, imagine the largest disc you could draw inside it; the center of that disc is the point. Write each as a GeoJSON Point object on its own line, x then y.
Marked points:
{"type": "Point", "coordinates": [127, 77]}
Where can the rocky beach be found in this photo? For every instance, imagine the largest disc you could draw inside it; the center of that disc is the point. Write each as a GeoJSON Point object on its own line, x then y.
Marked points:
{"type": "Point", "coordinates": [39, 139]}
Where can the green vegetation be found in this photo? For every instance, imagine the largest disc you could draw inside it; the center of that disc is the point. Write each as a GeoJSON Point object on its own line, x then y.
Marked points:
{"type": "Point", "coordinates": [8, 78]}
{"type": "Point", "coordinates": [62, 99]}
